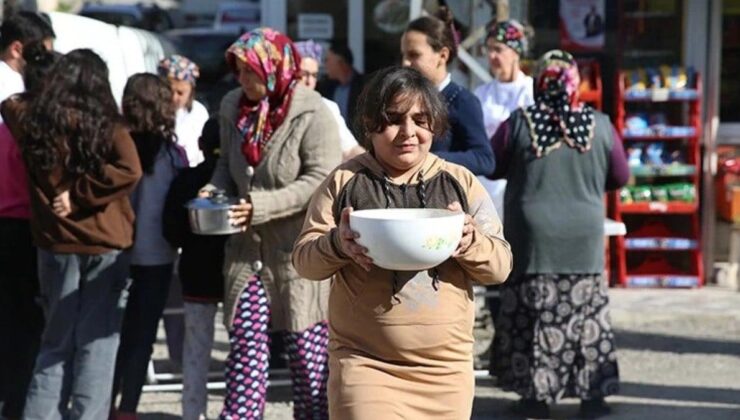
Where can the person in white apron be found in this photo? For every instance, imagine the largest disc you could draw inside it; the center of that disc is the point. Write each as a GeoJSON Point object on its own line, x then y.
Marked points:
{"type": "Point", "coordinates": [510, 89]}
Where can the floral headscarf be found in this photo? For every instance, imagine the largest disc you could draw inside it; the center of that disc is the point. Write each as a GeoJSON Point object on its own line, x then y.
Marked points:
{"type": "Point", "coordinates": [310, 49]}
{"type": "Point", "coordinates": [557, 115]}
{"type": "Point", "coordinates": [511, 33]}
{"type": "Point", "coordinates": [178, 67]}
{"type": "Point", "coordinates": [273, 57]}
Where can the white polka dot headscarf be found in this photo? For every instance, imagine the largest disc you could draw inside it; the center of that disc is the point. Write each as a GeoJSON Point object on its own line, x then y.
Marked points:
{"type": "Point", "coordinates": [557, 116]}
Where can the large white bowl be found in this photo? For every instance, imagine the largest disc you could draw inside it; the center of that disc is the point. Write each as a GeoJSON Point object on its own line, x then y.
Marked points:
{"type": "Point", "coordinates": [408, 239]}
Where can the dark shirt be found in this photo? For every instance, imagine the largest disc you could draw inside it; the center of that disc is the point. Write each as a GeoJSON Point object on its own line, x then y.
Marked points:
{"type": "Point", "coordinates": [465, 143]}
{"type": "Point", "coordinates": [328, 89]}
{"type": "Point", "coordinates": [202, 259]}
{"type": "Point", "coordinates": [616, 177]}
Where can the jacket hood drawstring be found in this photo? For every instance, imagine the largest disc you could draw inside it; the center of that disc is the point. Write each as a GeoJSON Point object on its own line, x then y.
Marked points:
{"type": "Point", "coordinates": [421, 191]}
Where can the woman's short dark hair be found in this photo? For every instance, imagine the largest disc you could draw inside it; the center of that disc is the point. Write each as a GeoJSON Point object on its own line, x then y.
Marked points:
{"type": "Point", "coordinates": [150, 115]}
{"type": "Point", "coordinates": [439, 30]}
{"type": "Point", "coordinates": [386, 88]}
{"type": "Point", "coordinates": [70, 122]}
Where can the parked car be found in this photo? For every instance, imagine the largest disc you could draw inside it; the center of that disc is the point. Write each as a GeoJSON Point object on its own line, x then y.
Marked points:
{"type": "Point", "coordinates": [148, 17]}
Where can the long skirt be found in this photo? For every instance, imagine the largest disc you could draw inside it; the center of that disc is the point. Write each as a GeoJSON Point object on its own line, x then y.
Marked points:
{"type": "Point", "coordinates": [554, 338]}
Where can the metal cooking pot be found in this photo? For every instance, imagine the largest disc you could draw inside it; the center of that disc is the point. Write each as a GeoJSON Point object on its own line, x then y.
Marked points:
{"type": "Point", "coordinates": [210, 216]}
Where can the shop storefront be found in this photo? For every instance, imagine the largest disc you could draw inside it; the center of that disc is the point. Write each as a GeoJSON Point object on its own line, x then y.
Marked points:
{"type": "Point", "coordinates": [666, 40]}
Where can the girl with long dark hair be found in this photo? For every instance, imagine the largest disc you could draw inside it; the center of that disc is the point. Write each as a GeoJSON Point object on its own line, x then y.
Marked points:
{"type": "Point", "coordinates": [82, 165]}
{"type": "Point", "coordinates": [150, 115]}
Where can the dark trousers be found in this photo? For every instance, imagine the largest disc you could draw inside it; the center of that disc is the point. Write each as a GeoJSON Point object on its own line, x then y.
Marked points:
{"type": "Point", "coordinates": [147, 298]}
{"type": "Point", "coordinates": [21, 317]}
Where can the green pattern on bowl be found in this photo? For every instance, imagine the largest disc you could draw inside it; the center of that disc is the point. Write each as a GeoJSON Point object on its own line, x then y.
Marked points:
{"type": "Point", "coordinates": [436, 243]}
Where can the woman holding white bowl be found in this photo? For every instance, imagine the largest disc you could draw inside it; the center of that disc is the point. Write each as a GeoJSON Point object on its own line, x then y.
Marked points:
{"type": "Point", "coordinates": [400, 342]}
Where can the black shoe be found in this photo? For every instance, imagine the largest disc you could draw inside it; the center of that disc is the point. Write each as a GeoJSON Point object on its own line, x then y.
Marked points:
{"type": "Point", "coordinates": [593, 409]}
{"type": "Point", "coordinates": [532, 409]}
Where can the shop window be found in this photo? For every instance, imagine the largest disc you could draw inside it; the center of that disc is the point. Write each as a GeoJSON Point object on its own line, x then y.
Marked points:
{"type": "Point", "coordinates": [730, 83]}
{"type": "Point", "coordinates": [651, 33]}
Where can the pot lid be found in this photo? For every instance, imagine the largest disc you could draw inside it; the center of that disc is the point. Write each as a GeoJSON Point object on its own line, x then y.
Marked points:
{"type": "Point", "coordinates": [217, 201]}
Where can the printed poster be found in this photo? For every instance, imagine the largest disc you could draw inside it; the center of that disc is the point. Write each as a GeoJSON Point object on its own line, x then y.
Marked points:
{"type": "Point", "coordinates": [582, 24]}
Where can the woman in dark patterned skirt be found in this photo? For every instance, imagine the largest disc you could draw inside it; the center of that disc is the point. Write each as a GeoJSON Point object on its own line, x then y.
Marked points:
{"type": "Point", "coordinates": [553, 336]}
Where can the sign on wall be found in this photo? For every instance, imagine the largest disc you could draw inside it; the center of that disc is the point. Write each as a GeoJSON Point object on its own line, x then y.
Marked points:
{"type": "Point", "coordinates": [315, 26]}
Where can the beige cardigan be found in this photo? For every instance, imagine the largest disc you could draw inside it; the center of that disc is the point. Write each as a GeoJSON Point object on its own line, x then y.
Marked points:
{"type": "Point", "coordinates": [303, 150]}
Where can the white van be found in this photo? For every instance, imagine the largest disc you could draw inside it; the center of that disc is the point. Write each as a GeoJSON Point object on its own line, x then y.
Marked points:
{"type": "Point", "coordinates": [127, 51]}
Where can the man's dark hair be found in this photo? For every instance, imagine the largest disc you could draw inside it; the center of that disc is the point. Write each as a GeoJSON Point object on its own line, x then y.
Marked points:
{"type": "Point", "coordinates": [25, 27]}
{"type": "Point", "coordinates": [341, 49]}
{"type": "Point", "coordinates": [209, 140]}
{"type": "Point", "coordinates": [397, 89]}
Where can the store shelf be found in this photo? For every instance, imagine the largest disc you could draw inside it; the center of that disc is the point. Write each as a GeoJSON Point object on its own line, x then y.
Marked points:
{"type": "Point", "coordinates": [670, 170]}
{"type": "Point", "coordinates": [659, 138]}
{"type": "Point", "coordinates": [660, 244]}
{"type": "Point", "coordinates": [664, 250]}
{"type": "Point", "coordinates": [663, 280]}
{"type": "Point", "coordinates": [651, 95]}
{"type": "Point", "coordinates": [659, 207]}
{"type": "Point", "coordinates": [669, 133]}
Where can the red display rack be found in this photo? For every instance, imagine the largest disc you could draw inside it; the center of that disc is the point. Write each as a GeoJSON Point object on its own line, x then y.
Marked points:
{"type": "Point", "coordinates": [590, 91]}
{"type": "Point", "coordinates": [662, 246]}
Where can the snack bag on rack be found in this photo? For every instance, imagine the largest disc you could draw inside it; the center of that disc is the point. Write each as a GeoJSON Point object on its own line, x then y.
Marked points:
{"type": "Point", "coordinates": [654, 79]}
{"type": "Point", "coordinates": [654, 153]}
{"type": "Point", "coordinates": [641, 193]}
{"type": "Point", "coordinates": [636, 80]}
{"type": "Point", "coordinates": [660, 193]}
{"type": "Point", "coordinates": [683, 191]}
{"type": "Point", "coordinates": [675, 77]}
{"type": "Point", "coordinates": [634, 155]}
{"type": "Point", "coordinates": [625, 196]}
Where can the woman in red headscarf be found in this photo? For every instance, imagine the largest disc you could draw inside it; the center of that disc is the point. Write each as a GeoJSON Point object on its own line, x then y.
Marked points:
{"type": "Point", "coordinates": [553, 336]}
{"type": "Point", "coordinates": [278, 143]}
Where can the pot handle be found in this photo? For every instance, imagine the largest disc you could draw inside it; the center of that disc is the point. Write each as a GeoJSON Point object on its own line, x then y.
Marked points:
{"type": "Point", "coordinates": [219, 197]}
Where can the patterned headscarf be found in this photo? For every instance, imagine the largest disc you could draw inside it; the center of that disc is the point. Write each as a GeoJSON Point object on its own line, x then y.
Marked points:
{"type": "Point", "coordinates": [557, 115]}
{"type": "Point", "coordinates": [178, 67]}
{"type": "Point", "coordinates": [273, 57]}
{"type": "Point", "coordinates": [511, 33]}
{"type": "Point", "coordinates": [310, 49]}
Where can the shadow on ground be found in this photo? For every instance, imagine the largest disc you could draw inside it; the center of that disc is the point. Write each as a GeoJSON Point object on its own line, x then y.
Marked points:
{"type": "Point", "coordinates": [157, 416]}
{"type": "Point", "coordinates": [666, 408]}
{"type": "Point", "coordinates": [681, 393]}
{"type": "Point", "coordinates": [675, 344]}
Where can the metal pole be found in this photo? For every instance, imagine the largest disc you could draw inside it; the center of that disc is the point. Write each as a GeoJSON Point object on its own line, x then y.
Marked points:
{"type": "Point", "coordinates": [711, 85]}
{"type": "Point", "coordinates": [356, 32]}
{"type": "Point", "coordinates": [502, 10]}
{"type": "Point", "coordinates": [415, 8]}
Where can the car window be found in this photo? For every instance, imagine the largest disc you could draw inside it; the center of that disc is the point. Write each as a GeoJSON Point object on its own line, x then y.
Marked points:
{"type": "Point", "coordinates": [207, 51]}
